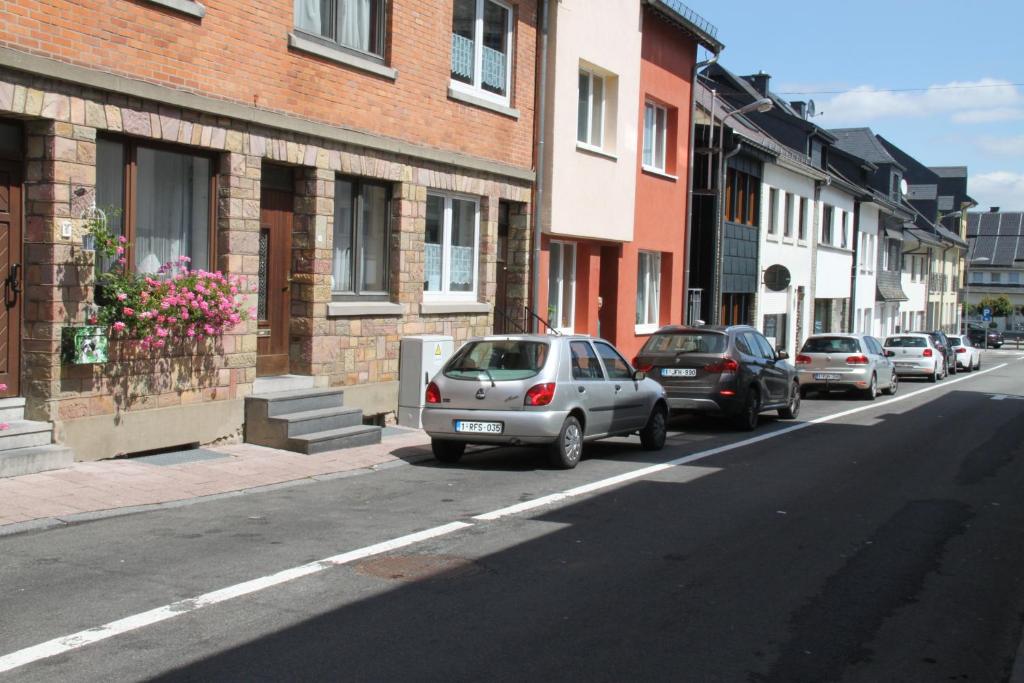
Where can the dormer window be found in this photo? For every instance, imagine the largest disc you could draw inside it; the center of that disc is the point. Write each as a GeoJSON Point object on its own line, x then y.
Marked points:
{"type": "Point", "coordinates": [894, 190]}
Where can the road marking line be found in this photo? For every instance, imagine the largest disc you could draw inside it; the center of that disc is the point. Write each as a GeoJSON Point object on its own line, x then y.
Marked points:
{"type": "Point", "coordinates": [76, 640]}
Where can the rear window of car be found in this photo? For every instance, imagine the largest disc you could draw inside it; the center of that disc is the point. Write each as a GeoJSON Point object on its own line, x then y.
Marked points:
{"type": "Point", "coordinates": [831, 345]}
{"type": "Point", "coordinates": [500, 360]}
{"type": "Point", "coordinates": [687, 342]}
{"type": "Point", "coordinates": [906, 342]}
{"type": "Point", "coordinates": [954, 341]}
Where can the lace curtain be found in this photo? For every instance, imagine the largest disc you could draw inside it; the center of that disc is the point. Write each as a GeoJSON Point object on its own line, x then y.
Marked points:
{"type": "Point", "coordinates": [349, 22]}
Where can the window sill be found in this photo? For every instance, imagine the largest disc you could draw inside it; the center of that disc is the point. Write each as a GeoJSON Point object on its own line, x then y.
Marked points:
{"type": "Point", "coordinates": [442, 307]}
{"type": "Point", "coordinates": [650, 170]}
{"type": "Point", "coordinates": [193, 9]}
{"type": "Point", "coordinates": [832, 247]}
{"type": "Point", "coordinates": [772, 238]}
{"type": "Point", "coordinates": [597, 151]}
{"type": "Point", "coordinates": [482, 102]}
{"type": "Point", "coordinates": [356, 308]}
{"type": "Point", "coordinates": [296, 41]}
{"type": "Point", "coordinates": [645, 329]}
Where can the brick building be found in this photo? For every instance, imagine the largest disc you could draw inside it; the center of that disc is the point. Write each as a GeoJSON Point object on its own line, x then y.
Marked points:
{"type": "Point", "coordinates": [367, 163]}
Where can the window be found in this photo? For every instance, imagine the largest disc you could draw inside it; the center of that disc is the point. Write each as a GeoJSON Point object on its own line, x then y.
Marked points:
{"type": "Point", "coordinates": [775, 328]}
{"type": "Point", "coordinates": [1013, 278]}
{"type": "Point", "coordinates": [163, 197]}
{"type": "Point", "coordinates": [773, 211]}
{"type": "Point", "coordinates": [802, 235]}
{"type": "Point", "coordinates": [562, 286]}
{"type": "Point", "coordinates": [826, 224]}
{"type": "Point", "coordinates": [482, 47]}
{"type": "Point", "coordinates": [353, 24]}
{"type": "Point", "coordinates": [741, 197]}
{"type": "Point", "coordinates": [893, 251]}
{"type": "Point", "coordinates": [616, 365]}
{"type": "Point", "coordinates": [450, 248]}
{"type": "Point", "coordinates": [584, 361]}
{"type": "Point", "coordinates": [996, 278]}
{"type": "Point", "coordinates": [590, 116]}
{"type": "Point", "coordinates": [976, 278]}
{"type": "Point", "coordinates": [655, 134]}
{"type": "Point", "coordinates": [787, 219]}
{"type": "Point", "coordinates": [846, 221]}
{"type": "Point", "coordinates": [361, 229]}
{"type": "Point", "coordinates": [648, 289]}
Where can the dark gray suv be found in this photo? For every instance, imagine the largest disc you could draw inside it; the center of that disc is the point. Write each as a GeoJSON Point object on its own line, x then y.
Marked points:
{"type": "Point", "coordinates": [731, 371]}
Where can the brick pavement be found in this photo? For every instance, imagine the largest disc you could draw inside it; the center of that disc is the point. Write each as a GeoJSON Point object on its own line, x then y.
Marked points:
{"type": "Point", "coordinates": [108, 486]}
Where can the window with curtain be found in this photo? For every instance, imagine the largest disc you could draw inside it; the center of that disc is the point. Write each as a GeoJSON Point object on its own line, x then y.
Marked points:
{"type": "Point", "coordinates": [562, 285]}
{"type": "Point", "coordinates": [648, 289]}
{"type": "Point", "coordinates": [162, 201]}
{"type": "Point", "coordinates": [361, 238]}
{"type": "Point", "coordinates": [353, 24]}
{"type": "Point", "coordinates": [655, 135]}
{"type": "Point", "coordinates": [590, 113]}
{"type": "Point", "coordinates": [450, 248]}
{"type": "Point", "coordinates": [482, 47]}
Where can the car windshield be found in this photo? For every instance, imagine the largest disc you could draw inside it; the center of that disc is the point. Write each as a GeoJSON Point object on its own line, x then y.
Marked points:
{"type": "Point", "coordinates": [954, 341]}
{"type": "Point", "coordinates": [498, 360]}
{"type": "Point", "coordinates": [906, 342]}
{"type": "Point", "coordinates": [687, 342]}
{"type": "Point", "coordinates": [831, 345]}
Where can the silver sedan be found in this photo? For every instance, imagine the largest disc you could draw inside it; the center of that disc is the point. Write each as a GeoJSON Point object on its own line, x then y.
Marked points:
{"type": "Point", "coordinates": [553, 391]}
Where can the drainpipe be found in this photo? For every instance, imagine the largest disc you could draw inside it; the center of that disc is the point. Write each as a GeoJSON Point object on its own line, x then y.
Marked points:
{"type": "Point", "coordinates": [538, 195]}
{"type": "Point", "coordinates": [852, 317]}
{"type": "Point", "coordinates": [689, 193]}
{"type": "Point", "coordinates": [716, 279]}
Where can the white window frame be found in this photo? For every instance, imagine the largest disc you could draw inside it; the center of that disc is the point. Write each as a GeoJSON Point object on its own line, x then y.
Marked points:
{"type": "Point", "coordinates": [476, 87]}
{"type": "Point", "coordinates": [788, 204]}
{"type": "Point", "coordinates": [560, 303]}
{"type": "Point", "coordinates": [446, 245]}
{"type": "Point", "coordinates": [773, 211]}
{"type": "Point", "coordinates": [591, 133]}
{"type": "Point", "coordinates": [645, 326]}
{"type": "Point", "coordinates": [660, 142]}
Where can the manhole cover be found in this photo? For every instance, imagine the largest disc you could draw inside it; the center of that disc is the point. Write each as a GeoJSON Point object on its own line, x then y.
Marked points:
{"type": "Point", "coordinates": [418, 567]}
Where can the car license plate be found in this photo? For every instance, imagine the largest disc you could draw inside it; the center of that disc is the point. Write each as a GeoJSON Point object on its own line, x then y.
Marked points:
{"type": "Point", "coordinates": [904, 365]}
{"type": "Point", "coordinates": [827, 376]}
{"type": "Point", "coordinates": [678, 372]}
{"type": "Point", "coordinates": [479, 427]}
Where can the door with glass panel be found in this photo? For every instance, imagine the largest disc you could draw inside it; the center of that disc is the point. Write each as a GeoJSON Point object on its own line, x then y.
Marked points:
{"type": "Point", "coordinates": [273, 302]}
{"type": "Point", "coordinates": [562, 286]}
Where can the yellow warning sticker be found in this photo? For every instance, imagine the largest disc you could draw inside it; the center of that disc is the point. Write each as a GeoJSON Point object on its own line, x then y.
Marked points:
{"type": "Point", "coordinates": [437, 350]}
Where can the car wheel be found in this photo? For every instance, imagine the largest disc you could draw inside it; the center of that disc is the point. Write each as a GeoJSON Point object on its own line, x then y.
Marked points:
{"type": "Point", "coordinates": [893, 387]}
{"type": "Point", "coordinates": [978, 366]}
{"type": "Point", "coordinates": [871, 393]}
{"type": "Point", "coordinates": [447, 451]}
{"type": "Point", "coordinates": [952, 369]}
{"type": "Point", "coordinates": [566, 451]}
{"type": "Point", "coordinates": [934, 377]}
{"type": "Point", "coordinates": [793, 409]}
{"type": "Point", "coordinates": [746, 419]}
{"type": "Point", "coordinates": [652, 436]}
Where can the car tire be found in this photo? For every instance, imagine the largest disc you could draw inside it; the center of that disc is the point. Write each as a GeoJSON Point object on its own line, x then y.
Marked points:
{"type": "Point", "coordinates": [978, 366]}
{"type": "Point", "coordinates": [934, 377]}
{"type": "Point", "coordinates": [565, 452]}
{"type": "Point", "coordinates": [447, 451]}
{"type": "Point", "coordinates": [652, 436]}
{"type": "Point", "coordinates": [746, 419]}
{"type": "Point", "coordinates": [871, 393]}
{"type": "Point", "coordinates": [791, 411]}
{"type": "Point", "coordinates": [893, 387]}
{"type": "Point", "coordinates": [952, 369]}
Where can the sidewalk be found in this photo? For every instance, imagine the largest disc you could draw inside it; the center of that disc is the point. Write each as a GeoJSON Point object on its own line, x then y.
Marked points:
{"type": "Point", "coordinates": [90, 490]}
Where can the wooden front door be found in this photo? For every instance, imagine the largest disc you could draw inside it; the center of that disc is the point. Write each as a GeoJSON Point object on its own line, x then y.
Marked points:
{"type": "Point", "coordinates": [502, 323]}
{"type": "Point", "coordinates": [274, 300]}
{"type": "Point", "coordinates": [11, 271]}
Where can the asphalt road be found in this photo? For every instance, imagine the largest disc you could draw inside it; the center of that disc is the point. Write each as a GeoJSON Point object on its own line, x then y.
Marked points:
{"type": "Point", "coordinates": [884, 542]}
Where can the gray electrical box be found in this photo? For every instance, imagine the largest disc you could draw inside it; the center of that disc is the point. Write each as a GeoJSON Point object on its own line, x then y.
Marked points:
{"type": "Point", "coordinates": [420, 358]}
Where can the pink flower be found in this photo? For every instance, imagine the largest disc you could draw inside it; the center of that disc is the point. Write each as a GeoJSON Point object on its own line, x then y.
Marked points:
{"type": "Point", "coordinates": [121, 296]}
{"type": "Point", "coordinates": [122, 261]}
{"type": "Point", "coordinates": [128, 311]}
{"type": "Point", "coordinates": [120, 251]}
{"type": "Point", "coordinates": [3, 387]}
{"type": "Point", "coordinates": [4, 426]}
{"type": "Point", "coordinates": [119, 326]}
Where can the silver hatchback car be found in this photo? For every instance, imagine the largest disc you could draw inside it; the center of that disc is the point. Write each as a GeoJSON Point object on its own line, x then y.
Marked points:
{"type": "Point", "coordinates": [846, 361]}
{"type": "Point", "coordinates": [554, 391]}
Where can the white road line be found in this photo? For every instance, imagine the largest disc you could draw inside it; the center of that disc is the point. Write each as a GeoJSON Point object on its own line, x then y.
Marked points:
{"type": "Point", "coordinates": [82, 638]}
{"type": "Point", "coordinates": [76, 640]}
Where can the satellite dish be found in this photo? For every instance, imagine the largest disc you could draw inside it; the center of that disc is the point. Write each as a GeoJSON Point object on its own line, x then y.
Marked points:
{"type": "Point", "coordinates": [904, 188]}
{"type": "Point", "coordinates": [811, 109]}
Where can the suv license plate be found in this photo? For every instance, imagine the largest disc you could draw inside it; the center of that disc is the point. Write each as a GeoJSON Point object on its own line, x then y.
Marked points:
{"type": "Point", "coordinates": [827, 376]}
{"type": "Point", "coordinates": [678, 372]}
{"type": "Point", "coordinates": [479, 427]}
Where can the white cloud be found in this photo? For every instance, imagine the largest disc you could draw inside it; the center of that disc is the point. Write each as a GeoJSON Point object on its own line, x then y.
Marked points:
{"type": "Point", "coordinates": [1004, 189]}
{"type": "Point", "coordinates": [1009, 146]}
{"type": "Point", "coordinates": [989, 115]}
{"type": "Point", "coordinates": [964, 99]}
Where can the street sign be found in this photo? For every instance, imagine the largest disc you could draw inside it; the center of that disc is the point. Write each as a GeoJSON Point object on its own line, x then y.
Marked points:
{"type": "Point", "coordinates": [986, 314]}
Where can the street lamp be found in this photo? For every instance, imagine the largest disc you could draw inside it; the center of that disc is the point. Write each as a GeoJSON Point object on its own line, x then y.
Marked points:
{"type": "Point", "coordinates": [967, 296]}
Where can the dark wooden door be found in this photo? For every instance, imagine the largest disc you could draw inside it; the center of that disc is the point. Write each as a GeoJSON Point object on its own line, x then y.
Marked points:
{"type": "Point", "coordinates": [274, 300]}
{"type": "Point", "coordinates": [11, 270]}
{"type": "Point", "coordinates": [501, 312]}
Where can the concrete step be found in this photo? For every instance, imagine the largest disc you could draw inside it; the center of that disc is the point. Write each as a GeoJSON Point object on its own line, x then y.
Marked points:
{"type": "Point", "coordinates": [25, 433]}
{"type": "Point", "coordinates": [311, 421]}
{"type": "Point", "coordinates": [12, 409]}
{"type": "Point", "coordinates": [32, 459]}
{"type": "Point", "coordinates": [278, 383]}
{"type": "Point", "coordinates": [294, 401]}
{"type": "Point", "coordinates": [333, 439]}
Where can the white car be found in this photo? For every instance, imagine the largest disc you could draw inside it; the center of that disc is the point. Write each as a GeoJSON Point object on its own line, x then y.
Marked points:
{"type": "Point", "coordinates": [968, 356]}
{"type": "Point", "coordinates": [914, 354]}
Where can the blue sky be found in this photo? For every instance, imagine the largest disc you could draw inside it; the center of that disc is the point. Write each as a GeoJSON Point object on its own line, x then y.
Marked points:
{"type": "Point", "coordinates": [863, 48]}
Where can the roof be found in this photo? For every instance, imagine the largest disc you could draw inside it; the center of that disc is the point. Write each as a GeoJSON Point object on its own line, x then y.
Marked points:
{"type": "Point", "coordinates": [922, 192]}
{"type": "Point", "coordinates": [685, 18]}
{"type": "Point", "coordinates": [949, 171]}
{"type": "Point", "coordinates": [889, 291]}
{"type": "Point", "coordinates": [997, 236]}
{"type": "Point", "coordinates": [924, 236]}
{"type": "Point", "coordinates": [861, 142]}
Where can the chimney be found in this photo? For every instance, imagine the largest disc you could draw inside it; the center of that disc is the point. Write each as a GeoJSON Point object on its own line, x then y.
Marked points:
{"type": "Point", "coordinates": [800, 108]}
{"type": "Point", "coordinates": [760, 82]}
{"type": "Point", "coordinates": [993, 209]}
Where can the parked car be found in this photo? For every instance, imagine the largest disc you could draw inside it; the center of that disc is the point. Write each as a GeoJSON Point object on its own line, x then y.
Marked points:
{"type": "Point", "coordinates": [985, 337]}
{"type": "Point", "coordinates": [731, 371]}
{"type": "Point", "coordinates": [846, 361]}
{"type": "Point", "coordinates": [968, 356]}
{"type": "Point", "coordinates": [941, 343]}
{"type": "Point", "coordinates": [916, 355]}
{"type": "Point", "coordinates": [553, 391]}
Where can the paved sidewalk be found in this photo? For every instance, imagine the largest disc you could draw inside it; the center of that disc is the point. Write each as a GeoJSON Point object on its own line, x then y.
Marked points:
{"type": "Point", "coordinates": [88, 490]}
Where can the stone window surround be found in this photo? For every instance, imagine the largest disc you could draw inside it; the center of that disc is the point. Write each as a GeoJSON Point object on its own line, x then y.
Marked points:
{"type": "Point", "coordinates": [193, 9]}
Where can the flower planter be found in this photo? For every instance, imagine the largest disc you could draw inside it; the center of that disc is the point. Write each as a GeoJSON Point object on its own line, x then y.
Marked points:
{"type": "Point", "coordinates": [84, 345]}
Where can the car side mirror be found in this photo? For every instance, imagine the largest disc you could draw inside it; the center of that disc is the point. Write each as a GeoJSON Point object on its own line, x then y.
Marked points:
{"type": "Point", "coordinates": [639, 375]}
{"type": "Point", "coordinates": [782, 354]}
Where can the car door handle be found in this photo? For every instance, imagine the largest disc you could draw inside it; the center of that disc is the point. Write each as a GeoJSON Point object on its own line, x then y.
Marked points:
{"type": "Point", "coordinates": [582, 390]}
{"type": "Point", "coordinates": [618, 388]}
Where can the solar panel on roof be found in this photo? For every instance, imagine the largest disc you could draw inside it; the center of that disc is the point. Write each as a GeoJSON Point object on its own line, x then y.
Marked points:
{"type": "Point", "coordinates": [1005, 251]}
{"type": "Point", "coordinates": [984, 246]}
{"type": "Point", "coordinates": [989, 224]}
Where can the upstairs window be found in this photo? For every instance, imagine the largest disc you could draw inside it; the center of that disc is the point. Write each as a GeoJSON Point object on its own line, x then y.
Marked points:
{"type": "Point", "coordinates": [356, 25]}
{"type": "Point", "coordinates": [655, 135]}
{"type": "Point", "coordinates": [826, 224]}
{"type": "Point", "coordinates": [590, 115]}
{"type": "Point", "coordinates": [802, 234]}
{"type": "Point", "coordinates": [787, 219]}
{"type": "Point", "coordinates": [773, 211]}
{"type": "Point", "coordinates": [482, 48]}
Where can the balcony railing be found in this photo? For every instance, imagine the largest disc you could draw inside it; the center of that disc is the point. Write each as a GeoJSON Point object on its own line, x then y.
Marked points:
{"type": "Point", "coordinates": [692, 17]}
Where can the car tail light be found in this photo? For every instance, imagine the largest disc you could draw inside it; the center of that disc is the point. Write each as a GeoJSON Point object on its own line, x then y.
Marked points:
{"type": "Point", "coordinates": [727, 392]}
{"type": "Point", "coordinates": [433, 393]}
{"type": "Point", "coordinates": [640, 365]}
{"type": "Point", "coordinates": [927, 353]}
{"type": "Point", "coordinates": [724, 365]}
{"type": "Point", "coordinates": [961, 350]}
{"type": "Point", "coordinates": [857, 360]}
{"type": "Point", "coordinates": [801, 359]}
{"type": "Point", "coordinates": [540, 394]}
